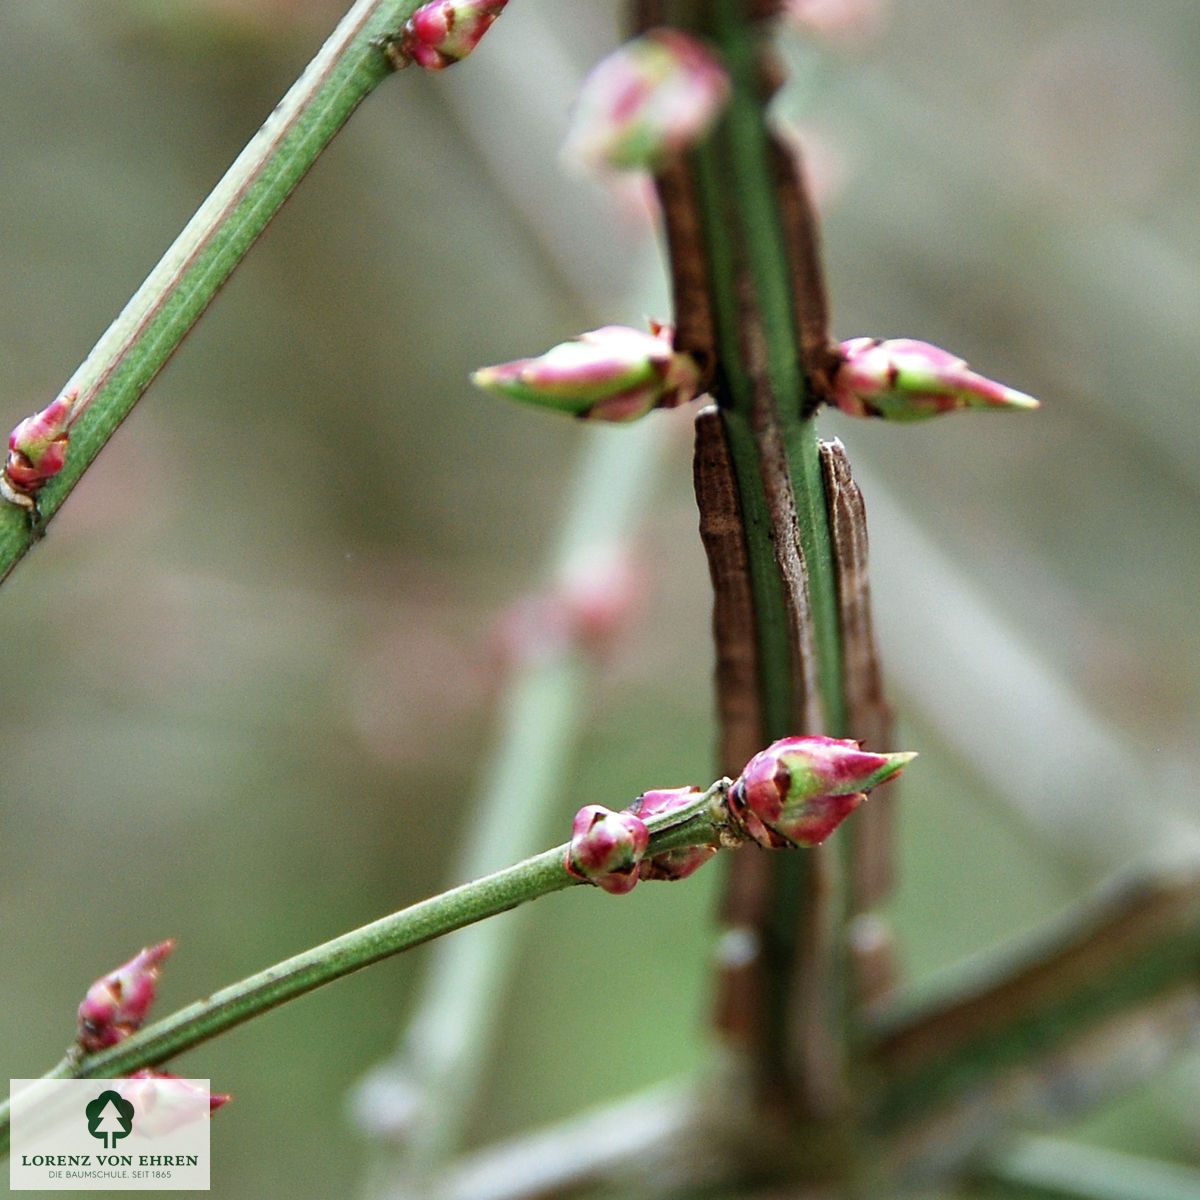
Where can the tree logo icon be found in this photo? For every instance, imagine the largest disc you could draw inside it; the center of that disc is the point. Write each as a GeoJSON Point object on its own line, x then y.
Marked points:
{"type": "Point", "coordinates": [109, 1117]}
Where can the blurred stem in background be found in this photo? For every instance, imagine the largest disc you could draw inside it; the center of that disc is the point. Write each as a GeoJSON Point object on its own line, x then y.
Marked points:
{"type": "Point", "coordinates": [420, 1102]}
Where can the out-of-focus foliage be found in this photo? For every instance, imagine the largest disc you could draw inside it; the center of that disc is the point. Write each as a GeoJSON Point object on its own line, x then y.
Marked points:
{"type": "Point", "coordinates": [248, 673]}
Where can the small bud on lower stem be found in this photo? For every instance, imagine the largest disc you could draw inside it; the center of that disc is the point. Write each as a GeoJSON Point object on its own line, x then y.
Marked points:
{"type": "Point", "coordinates": [37, 451]}
{"type": "Point", "coordinates": [670, 864]}
{"type": "Point", "coordinates": [606, 848]}
{"type": "Point", "coordinates": [907, 380]}
{"type": "Point", "coordinates": [117, 1003]}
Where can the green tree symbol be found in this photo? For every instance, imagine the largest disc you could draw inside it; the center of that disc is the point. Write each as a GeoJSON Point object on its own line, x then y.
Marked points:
{"type": "Point", "coordinates": [109, 1117]}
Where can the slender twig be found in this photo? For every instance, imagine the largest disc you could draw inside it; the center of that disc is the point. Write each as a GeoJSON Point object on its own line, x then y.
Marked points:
{"type": "Point", "coordinates": [143, 337]}
{"type": "Point", "coordinates": [700, 822]}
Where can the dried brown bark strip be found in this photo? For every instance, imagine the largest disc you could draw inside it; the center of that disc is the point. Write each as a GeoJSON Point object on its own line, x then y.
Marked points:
{"type": "Point", "coordinates": [798, 220]}
{"type": "Point", "coordinates": [868, 716]}
{"type": "Point", "coordinates": [724, 538]}
{"type": "Point", "coordinates": [740, 1011]}
{"type": "Point", "coordinates": [695, 331]}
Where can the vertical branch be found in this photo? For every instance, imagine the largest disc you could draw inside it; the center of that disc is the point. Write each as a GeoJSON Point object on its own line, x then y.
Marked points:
{"type": "Point", "coordinates": [749, 299]}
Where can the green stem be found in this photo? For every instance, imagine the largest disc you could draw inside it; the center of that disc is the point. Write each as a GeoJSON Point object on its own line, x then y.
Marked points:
{"type": "Point", "coordinates": [139, 342]}
{"type": "Point", "coordinates": [747, 247]}
{"type": "Point", "coordinates": [699, 823]}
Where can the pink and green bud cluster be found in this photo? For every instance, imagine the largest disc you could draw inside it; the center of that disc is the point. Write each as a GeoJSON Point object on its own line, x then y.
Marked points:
{"type": "Point", "coordinates": [907, 380]}
{"type": "Point", "coordinates": [609, 374]}
{"type": "Point", "coordinates": [798, 790]}
{"type": "Point", "coordinates": [606, 848]}
{"type": "Point", "coordinates": [215, 1099]}
{"type": "Point", "coordinates": [117, 1003]}
{"type": "Point", "coordinates": [648, 102]}
{"type": "Point", "coordinates": [440, 34]}
{"type": "Point", "coordinates": [609, 848]}
{"type": "Point", "coordinates": [37, 450]}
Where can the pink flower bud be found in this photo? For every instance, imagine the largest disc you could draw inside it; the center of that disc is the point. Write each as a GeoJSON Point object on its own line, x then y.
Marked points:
{"type": "Point", "coordinates": [906, 380]}
{"type": "Point", "coordinates": [670, 864]}
{"type": "Point", "coordinates": [215, 1099]}
{"type": "Point", "coordinates": [609, 374]}
{"type": "Point", "coordinates": [37, 450]}
{"type": "Point", "coordinates": [649, 101]}
{"type": "Point", "coordinates": [441, 33]}
{"type": "Point", "coordinates": [117, 1003]}
{"type": "Point", "coordinates": [800, 789]}
{"type": "Point", "coordinates": [660, 801]}
{"type": "Point", "coordinates": [606, 848]}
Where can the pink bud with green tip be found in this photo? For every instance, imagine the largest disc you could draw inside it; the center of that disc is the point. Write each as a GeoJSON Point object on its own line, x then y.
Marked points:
{"type": "Point", "coordinates": [646, 103]}
{"type": "Point", "coordinates": [440, 34]}
{"type": "Point", "coordinates": [800, 789]}
{"type": "Point", "coordinates": [37, 450]}
{"type": "Point", "coordinates": [606, 848]}
{"type": "Point", "coordinates": [609, 374]}
{"type": "Point", "coordinates": [117, 1003]}
{"type": "Point", "coordinates": [907, 380]}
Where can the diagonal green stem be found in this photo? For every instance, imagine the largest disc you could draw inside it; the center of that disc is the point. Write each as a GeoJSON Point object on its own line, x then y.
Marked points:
{"type": "Point", "coordinates": [139, 342]}
{"type": "Point", "coordinates": [701, 822]}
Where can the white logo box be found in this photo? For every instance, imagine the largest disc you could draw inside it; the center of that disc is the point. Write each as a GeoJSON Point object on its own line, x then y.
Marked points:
{"type": "Point", "coordinates": [109, 1135]}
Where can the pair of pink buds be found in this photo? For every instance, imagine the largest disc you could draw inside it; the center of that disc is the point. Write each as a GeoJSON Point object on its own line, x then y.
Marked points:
{"type": "Point", "coordinates": [796, 792]}
{"type": "Point", "coordinates": [618, 374]}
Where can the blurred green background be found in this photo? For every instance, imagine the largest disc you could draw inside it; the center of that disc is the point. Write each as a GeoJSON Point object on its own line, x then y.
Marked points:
{"type": "Point", "coordinates": [252, 671]}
